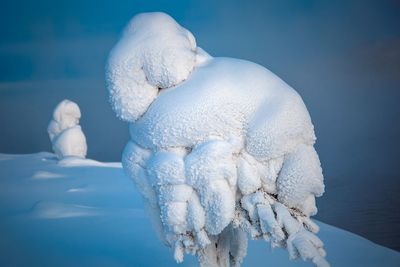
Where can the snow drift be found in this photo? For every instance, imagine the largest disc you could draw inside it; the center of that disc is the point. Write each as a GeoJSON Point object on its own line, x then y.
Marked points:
{"type": "Point", "coordinates": [65, 133]}
{"type": "Point", "coordinates": [87, 213]}
{"type": "Point", "coordinates": [219, 147]}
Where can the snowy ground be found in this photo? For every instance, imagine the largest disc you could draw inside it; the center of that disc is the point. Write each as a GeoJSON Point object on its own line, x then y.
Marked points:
{"type": "Point", "coordinates": [86, 213]}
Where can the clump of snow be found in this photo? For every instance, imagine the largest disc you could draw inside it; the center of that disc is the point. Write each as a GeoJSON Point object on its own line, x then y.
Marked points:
{"type": "Point", "coordinates": [300, 179]}
{"type": "Point", "coordinates": [211, 173]}
{"type": "Point", "coordinates": [154, 53]}
{"type": "Point", "coordinates": [219, 146]}
{"type": "Point", "coordinates": [65, 132]}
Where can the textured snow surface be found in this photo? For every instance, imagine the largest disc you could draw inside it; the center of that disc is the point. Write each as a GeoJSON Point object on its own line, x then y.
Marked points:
{"type": "Point", "coordinates": [218, 146]}
{"type": "Point", "coordinates": [154, 53]}
{"type": "Point", "coordinates": [65, 133]}
{"type": "Point", "coordinates": [89, 214]}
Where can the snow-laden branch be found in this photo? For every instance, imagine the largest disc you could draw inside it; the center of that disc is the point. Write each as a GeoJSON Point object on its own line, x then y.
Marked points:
{"type": "Point", "coordinates": [219, 147]}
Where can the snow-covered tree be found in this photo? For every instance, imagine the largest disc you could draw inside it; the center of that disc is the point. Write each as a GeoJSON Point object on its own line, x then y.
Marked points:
{"type": "Point", "coordinates": [221, 149]}
{"type": "Point", "coordinates": [64, 131]}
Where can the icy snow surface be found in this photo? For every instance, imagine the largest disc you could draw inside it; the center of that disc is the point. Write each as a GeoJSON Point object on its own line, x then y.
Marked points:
{"type": "Point", "coordinates": [64, 131]}
{"type": "Point", "coordinates": [49, 222]}
{"type": "Point", "coordinates": [219, 146]}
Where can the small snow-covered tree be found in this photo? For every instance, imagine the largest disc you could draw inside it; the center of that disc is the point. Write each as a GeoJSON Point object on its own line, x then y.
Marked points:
{"type": "Point", "coordinates": [64, 131]}
{"type": "Point", "coordinates": [221, 149]}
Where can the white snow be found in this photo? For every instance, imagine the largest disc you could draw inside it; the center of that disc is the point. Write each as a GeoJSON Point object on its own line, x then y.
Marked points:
{"type": "Point", "coordinates": [216, 144]}
{"type": "Point", "coordinates": [43, 223]}
{"type": "Point", "coordinates": [154, 53]}
{"type": "Point", "coordinates": [65, 133]}
{"type": "Point", "coordinates": [54, 210]}
{"type": "Point", "coordinates": [46, 175]}
{"type": "Point", "coordinates": [300, 179]}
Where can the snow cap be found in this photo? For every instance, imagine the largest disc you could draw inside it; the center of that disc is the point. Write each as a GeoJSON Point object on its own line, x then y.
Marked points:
{"type": "Point", "coordinates": [154, 53]}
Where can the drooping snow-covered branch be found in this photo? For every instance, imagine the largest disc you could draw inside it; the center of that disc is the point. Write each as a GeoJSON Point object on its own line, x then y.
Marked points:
{"type": "Point", "coordinates": [219, 147]}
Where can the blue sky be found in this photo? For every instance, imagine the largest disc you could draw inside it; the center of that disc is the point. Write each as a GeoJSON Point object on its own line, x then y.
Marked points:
{"type": "Point", "coordinates": [343, 57]}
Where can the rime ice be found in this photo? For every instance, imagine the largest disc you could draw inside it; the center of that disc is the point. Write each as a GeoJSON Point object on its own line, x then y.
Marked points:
{"type": "Point", "coordinates": [64, 131]}
{"type": "Point", "coordinates": [219, 147]}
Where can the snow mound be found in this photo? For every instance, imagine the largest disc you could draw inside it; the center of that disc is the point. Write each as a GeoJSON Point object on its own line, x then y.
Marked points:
{"type": "Point", "coordinates": [219, 146]}
{"type": "Point", "coordinates": [74, 161]}
{"type": "Point", "coordinates": [65, 133]}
